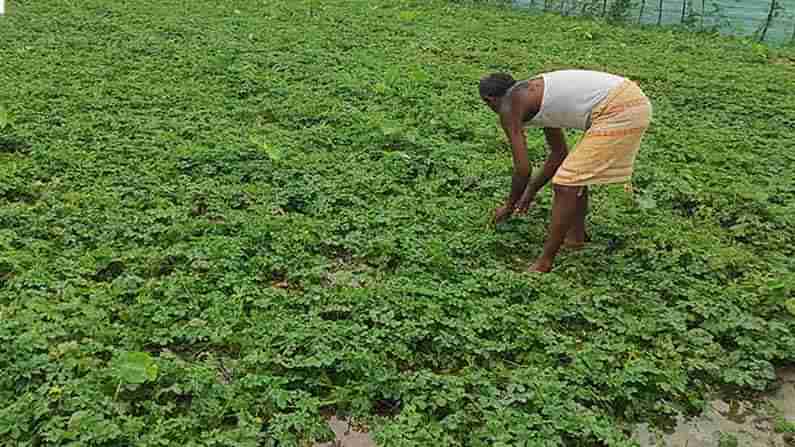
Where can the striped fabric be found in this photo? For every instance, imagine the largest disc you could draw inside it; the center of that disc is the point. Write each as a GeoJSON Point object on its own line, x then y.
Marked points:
{"type": "Point", "coordinates": [607, 151]}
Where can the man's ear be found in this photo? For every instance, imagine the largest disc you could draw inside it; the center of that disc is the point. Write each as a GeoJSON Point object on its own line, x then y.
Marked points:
{"type": "Point", "coordinates": [492, 101]}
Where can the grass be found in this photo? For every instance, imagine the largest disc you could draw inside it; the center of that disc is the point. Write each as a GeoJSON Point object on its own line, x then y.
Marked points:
{"type": "Point", "coordinates": [219, 223]}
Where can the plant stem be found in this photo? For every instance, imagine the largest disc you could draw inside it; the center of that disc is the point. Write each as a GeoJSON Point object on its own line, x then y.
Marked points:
{"type": "Point", "coordinates": [659, 13]}
{"type": "Point", "coordinates": [770, 14]}
{"type": "Point", "coordinates": [684, 8]}
{"type": "Point", "coordinates": [642, 7]}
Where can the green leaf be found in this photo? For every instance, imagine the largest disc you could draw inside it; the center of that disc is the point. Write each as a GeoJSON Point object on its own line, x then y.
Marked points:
{"type": "Point", "coordinates": [790, 306]}
{"type": "Point", "coordinates": [135, 368]}
{"type": "Point", "coordinates": [275, 153]}
{"type": "Point", "coordinates": [379, 87]}
{"type": "Point", "coordinates": [408, 16]}
{"type": "Point", "coordinates": [418, 75]}
{"type": "Point", "coordinates": [646, 203]}
{"type": "Point", "coordinates": [5, 118]}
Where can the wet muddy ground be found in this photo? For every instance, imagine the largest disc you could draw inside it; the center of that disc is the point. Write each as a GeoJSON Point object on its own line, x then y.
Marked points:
{"type": "Point", "coordinates": [766, 421]}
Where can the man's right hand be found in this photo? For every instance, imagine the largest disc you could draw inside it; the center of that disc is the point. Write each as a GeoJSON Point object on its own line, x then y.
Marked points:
{"type": "Point", "coordinates": [527, 199]}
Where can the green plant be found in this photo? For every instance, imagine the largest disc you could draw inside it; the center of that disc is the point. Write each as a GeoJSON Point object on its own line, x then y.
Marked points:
{"type": "Point", "coordinates": [134, 368]}
{"type": "Point", "coordinates": [5, 118]}
{"type": "Point", "coordinates": [783, 426]}
{"type": "Point", "coordinates": [620, 10]}
{"type": "Point", "coordinates": [728, 440]}
{"type": "Point", "coordinates": [227, 224]}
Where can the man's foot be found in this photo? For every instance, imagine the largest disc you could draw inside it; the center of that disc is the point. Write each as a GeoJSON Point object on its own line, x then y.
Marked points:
{"type": "Point", "coordinates": [573, 245]}
{"type": "Point", "coordinates": [576, 243]}
{"type": "Point", "coordinates": [540, 266]}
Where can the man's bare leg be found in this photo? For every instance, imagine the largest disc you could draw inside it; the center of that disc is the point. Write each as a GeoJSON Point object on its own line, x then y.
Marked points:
{"type": "Point", "coordinates": [564, 211]}
{"type": "Point", "coordinates": [577, 235]}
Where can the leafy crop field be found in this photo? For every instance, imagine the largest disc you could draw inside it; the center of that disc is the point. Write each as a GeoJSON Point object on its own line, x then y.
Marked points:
{"type": "Point", "coordinates": [222, 221]}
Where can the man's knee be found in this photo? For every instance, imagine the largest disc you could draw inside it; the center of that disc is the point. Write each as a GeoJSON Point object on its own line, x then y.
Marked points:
{"type": "Point", "coordinates": [565, 190]}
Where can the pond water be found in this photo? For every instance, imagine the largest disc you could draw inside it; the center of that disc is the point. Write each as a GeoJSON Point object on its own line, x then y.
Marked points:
{"type": "Point", "coordinates": [741, 17]}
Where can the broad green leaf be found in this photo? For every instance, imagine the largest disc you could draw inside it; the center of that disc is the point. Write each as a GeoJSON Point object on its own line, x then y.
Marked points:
{"type": "Point", "coordinates": [275, 153]}
{"type": "Point", "coordinates": [790, 306]}
{"type": "Point", "coordinates": [408, 16]}
{"type": "Point", "coordinates": [419, 75]}
{"type": "Point", "coordinates": [379, 87]}
{"type": "Point", "coordinates": [5, 118]}
{"type": "Point", "coordinates": [646, 203]}
{"type": "Point", "coordinates": [135, 368]}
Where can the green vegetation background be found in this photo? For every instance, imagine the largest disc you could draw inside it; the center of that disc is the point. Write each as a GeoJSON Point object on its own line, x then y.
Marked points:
{"type": "Point", "coordinates": [219, 222]}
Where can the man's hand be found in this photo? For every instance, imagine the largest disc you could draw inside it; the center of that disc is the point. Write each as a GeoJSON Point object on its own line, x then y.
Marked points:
{"type": "Point", "coordinates": [501, 214]}
{"type": "Point", "coordinates": [527, 199]}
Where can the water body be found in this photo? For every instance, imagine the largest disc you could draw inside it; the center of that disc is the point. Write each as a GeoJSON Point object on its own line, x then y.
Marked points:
{"type": "Point", "coordinates": [738, 17]}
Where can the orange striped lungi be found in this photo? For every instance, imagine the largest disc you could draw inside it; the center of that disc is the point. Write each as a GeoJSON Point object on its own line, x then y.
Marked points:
{"type": "Point", "coordinates": [607, 151]}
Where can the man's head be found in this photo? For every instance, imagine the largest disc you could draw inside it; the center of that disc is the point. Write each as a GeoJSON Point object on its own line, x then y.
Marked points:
{"type": "Point", "coordinates": [493, 87]}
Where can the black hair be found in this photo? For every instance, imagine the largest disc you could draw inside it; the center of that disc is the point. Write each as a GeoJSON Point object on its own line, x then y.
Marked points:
{"type": "Point", "coordinates": [496, 84]}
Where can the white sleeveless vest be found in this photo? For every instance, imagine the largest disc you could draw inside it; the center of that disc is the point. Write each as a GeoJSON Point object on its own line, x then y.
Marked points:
{"type": "Point", "coordinates": [570, 96]}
